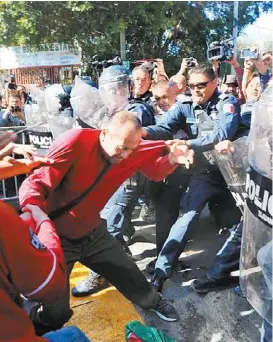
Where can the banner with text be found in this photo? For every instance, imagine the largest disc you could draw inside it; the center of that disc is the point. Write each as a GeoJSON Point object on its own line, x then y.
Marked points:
{"type": "Point", "coordinates": [45, 55]}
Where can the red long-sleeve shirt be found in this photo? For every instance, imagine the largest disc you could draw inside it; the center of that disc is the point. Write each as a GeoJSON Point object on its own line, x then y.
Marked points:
{"type": "Point", "coordinates": [26, 267]}
{"type": "Point", "coordinates": [78, 161]}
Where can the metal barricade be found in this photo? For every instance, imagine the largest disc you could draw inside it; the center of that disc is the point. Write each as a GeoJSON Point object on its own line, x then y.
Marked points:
{"type": "Point", "coordinates": [10, 186]}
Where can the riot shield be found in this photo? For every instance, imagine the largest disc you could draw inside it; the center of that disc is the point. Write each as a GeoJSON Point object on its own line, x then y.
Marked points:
{"type": "Point", "coordinates": [233, 166]}
{"type": "Point", "coordinates": [58, 121]}
{"type": "Point", "coordinates": [256, 252]}
{"type": "Point", "coordinates": [88, 105]}
{"type": "Point", "coordinates": [36, 118]}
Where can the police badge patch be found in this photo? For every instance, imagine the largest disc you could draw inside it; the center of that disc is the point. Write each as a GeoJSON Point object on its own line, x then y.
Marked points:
{"type": "Point", "coordinates": [36, 243]}
{"type": "Point", "coordinates": [228, 107]}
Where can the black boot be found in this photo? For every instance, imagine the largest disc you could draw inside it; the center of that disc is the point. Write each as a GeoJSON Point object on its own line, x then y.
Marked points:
{"type": "Point", "coordinates": [158, 282]}
{"type": "Point", "coordinates": [91, 284]}
{"type": "Point", "coordinates": [205, 285]}
{"type": "Point", "coordinates": [150, 267]}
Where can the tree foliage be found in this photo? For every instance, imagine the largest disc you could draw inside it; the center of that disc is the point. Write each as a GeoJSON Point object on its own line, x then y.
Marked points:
{"type": "Point", "coordinates": [95, 25]}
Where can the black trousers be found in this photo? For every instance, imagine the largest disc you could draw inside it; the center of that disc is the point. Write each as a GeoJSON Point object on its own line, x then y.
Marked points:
{"type": "Point", "coordinates": [100, 252]}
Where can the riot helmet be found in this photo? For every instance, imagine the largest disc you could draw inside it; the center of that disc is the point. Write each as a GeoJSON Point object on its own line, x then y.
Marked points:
{"type": "Point", "coordinates": [114, 87]}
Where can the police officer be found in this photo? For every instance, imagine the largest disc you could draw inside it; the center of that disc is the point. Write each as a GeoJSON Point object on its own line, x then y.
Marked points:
{"type": "Point", "coordinates": [231, 157]}
{"type": "Point", "coordinates": [207, 118]}
{"type": "Point", "coordinates": [235, 154]}
{"type": "Point", "coordinates": [118, 210]}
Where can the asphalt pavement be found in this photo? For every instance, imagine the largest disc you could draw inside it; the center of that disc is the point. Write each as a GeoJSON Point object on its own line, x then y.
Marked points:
{"type": "Point", "coordinates": [217, 316]}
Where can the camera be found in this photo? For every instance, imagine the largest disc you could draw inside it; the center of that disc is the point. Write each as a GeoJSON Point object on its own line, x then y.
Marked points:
{"type": "Point", "coordinates": [248, 53]}
{"type": "Point", "coordinates": [106, 63]}
{"type": "Point", "coordinates": [12, 86]}
{"type": "Point", "coordinates": [191, 62]}
{"type": "Point", "coordinates": [14, 109]}
{"type": "Point", "coordinates": [221, 51]}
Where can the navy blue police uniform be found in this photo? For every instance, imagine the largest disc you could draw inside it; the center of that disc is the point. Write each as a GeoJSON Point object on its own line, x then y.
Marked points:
{"type": "Point", "coordinates": [205, 126]}
{"type": "Point", "coordinates": [118, 211]}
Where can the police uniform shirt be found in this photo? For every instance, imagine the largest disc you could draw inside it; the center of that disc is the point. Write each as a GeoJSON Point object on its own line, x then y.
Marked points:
{"type": "Point", "coordinates": [143, 107]}
{"type": "Point", "coordinates": [160, 116]}
{"type": "Point", "coordinates": [223, 109]}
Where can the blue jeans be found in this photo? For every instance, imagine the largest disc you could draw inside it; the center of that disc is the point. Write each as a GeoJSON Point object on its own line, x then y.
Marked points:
{"type": "Point", "coordinates": [67, 334]}
{"type": "Point", "coordinates": [119, 208]}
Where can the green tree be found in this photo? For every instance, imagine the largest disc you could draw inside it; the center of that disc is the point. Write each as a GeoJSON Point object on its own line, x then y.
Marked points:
{"type": "Point", "coordinates": [95, 26]}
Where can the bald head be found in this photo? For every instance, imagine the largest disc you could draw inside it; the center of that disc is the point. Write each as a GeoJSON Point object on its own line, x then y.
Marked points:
{"type": "Point", "coordinates": [121, 136]}
{"type": "Point", "coordinates": [123, 119]}
{"type": "Point", "coordinates": [179, 84]}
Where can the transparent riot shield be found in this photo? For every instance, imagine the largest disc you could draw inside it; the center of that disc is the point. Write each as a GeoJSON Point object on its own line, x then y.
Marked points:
{"type": "Point", "coordinates": [36, 118]}
{"type": "Point", "coordinates": [256, 252]}
{"type": "Point", "coordinates": [58, 121]}
{"type": "Point", "coordinates": [233, 166]}
{"type": "Point", "coordinates": [88, 105]}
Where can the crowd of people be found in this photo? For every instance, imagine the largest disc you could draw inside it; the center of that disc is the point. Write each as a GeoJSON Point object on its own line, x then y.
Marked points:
{"type": "Point", "coordinates": [78, 203]}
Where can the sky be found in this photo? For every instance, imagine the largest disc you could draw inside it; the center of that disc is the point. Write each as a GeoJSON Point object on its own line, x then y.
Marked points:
{"type": "Point", "coordinates": [259, 33]}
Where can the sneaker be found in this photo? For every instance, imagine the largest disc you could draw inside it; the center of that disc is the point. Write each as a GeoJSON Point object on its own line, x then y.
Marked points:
{"type": "Point", "coordinates": [165, 311]}
{"type": "Point", "coordinates": [205, 285]}
{"type": "Point", "coordinates": [91, 284]}
{"type": "Point", "coordinates": [124, 245]}
{"type": "Point", "coordinates": [150, 268]}
{"type": "Point", "coordinates": [158, 282]}
{"type": "Point", "coordinates": [147, 213]}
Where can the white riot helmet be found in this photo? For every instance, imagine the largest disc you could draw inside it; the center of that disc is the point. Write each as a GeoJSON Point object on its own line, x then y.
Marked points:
{"type": "Point", "coordinates": [114, 87]}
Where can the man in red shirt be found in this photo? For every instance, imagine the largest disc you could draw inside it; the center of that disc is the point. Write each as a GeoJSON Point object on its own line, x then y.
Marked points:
{"type": "Point", "coordinates": [34, 267]}
{"type": "Point", "coordinates": [79, 157]}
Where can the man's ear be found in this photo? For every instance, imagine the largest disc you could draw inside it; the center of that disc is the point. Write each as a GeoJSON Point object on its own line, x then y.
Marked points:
{"type": "Point", "coordinates": [103, 134]}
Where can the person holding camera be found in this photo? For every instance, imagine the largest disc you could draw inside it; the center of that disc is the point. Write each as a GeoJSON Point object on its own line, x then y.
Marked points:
{"type": "Point", "coordinates": [207, 118]}
{"type": "Point", "coordinates": [14, 90]}
{"type": "Point", "coordinates": [263, 63]}
{"type": "Point", "coordinates": [13, 115]}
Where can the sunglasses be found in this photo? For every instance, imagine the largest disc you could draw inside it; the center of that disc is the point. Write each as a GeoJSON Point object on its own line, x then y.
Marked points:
{"type": "Point", "coordinates": [200, 85]}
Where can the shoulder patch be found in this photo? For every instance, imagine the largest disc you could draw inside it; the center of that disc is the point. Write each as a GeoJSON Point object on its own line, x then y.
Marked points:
{"type": "Point", "coordinates": [229, 108]}
{"type": "Point", "coordinates": [36, 243]}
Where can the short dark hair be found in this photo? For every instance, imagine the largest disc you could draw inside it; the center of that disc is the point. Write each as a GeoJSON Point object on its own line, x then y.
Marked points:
{"type": "Point", "coordinates": [203, 68]}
